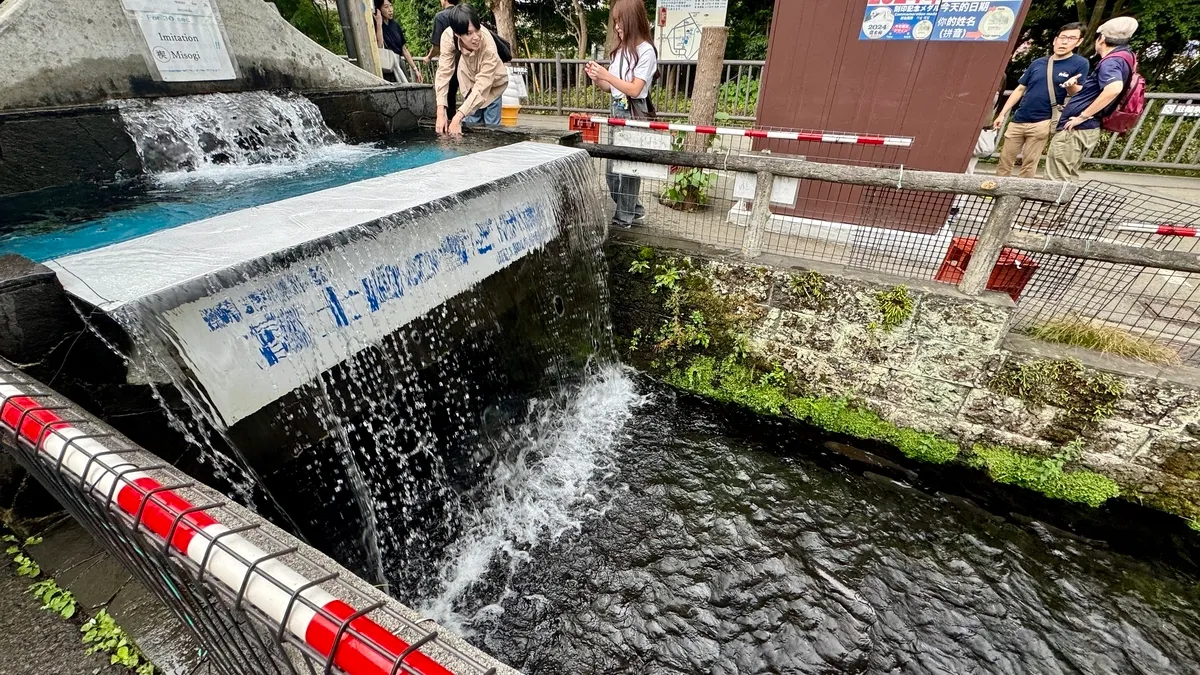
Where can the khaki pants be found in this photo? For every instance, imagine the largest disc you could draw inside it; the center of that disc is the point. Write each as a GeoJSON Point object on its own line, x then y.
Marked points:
{"type": "Point", "coordinates": [1027, 139]}
{"type": "Point", "coordinates": [1067, 152]}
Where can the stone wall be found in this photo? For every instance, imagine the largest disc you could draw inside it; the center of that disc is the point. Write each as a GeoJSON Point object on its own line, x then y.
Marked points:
{"type": "Point", "coordinates": [49, 148]}
{"type": "Point", "coordinates": [917, 365]}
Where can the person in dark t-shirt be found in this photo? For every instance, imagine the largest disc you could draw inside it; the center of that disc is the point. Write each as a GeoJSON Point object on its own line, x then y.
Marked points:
{"type": "Point", "coordinates": [1037, 113]}
{"type": "Point", "coordinates": [1079, 129]}
{"type": "Point", "coordinates": [389, 38]}
{"type": "Point", "coordinates": [441, 21]}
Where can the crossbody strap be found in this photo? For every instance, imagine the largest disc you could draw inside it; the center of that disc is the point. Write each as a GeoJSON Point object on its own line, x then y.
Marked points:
{"type": "Point", "coordinates": [1050, 81]}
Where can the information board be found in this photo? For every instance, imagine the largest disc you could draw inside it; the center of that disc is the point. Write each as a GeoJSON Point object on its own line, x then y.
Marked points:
{"type": "Point", "coordinates": [899, 20]}
{"type": "Point", "coordinates": [184, 38]}
{"type": "Point", "coordinates": [976, 20]}
{"type": "Point", "coordinates": [678, 23]}
{"type": "Point", "coordinates": [186, 47]}
{"type": "Point", "coordinates": [946, 20]}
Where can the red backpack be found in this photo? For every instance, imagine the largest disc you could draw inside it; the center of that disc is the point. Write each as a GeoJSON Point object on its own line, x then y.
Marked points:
{"type": "Point", "coordinates": [1132, 100]}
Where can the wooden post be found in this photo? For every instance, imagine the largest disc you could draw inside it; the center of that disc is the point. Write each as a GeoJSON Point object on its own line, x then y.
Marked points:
{"type": "Point", "coordinates": [760, 215]}
{"type": "Point", "coordinates": [358, 29]}
{"type": "Point", "coordinates": [709, 64]}
{"type": "Point", "coordinates": [558, 80]}
{"type": "Point", "coordinates": [991, 241]}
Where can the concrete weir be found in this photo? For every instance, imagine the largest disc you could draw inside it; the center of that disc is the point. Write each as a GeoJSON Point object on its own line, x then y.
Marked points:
{"type": "Point", "coordinates": [259, 301]}
{"type": "Point", "coordinates": [53, 54]}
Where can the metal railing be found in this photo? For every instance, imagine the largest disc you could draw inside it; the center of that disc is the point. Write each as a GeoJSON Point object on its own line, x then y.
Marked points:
{"type": "Point", "coordinates": [257, 599]}
{"type": "Point", "coordinates": [1063, 252]}
{"type": "Point", "coordinates": [1167, 136]}
{"type": "Point", "coordinates": [560, 86]}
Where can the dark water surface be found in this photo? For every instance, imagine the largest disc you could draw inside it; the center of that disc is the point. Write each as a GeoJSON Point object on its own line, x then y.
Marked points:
{"type": "Point", "coordinates": [697, 550]}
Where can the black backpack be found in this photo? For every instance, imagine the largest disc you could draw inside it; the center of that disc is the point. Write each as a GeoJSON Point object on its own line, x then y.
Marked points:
{"type": "Point", "coordinates": [502, 47]}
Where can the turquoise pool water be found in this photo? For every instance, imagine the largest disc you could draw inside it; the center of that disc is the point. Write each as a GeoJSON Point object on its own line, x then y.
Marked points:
{"type": "Point", "coordinates": [53, 223]}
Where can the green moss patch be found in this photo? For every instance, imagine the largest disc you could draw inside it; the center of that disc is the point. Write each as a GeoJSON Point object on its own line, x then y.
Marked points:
{"type": "Point", "coordinates": [1044, 475]}
{"type": "Point", "coordinates": [1085, 397]}
{"type": "Point", "coordinates": [731, 381]}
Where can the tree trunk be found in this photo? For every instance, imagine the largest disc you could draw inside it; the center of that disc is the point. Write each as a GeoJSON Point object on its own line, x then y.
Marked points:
{"type": "Point", "coordinates": [581, 37]}
{"type": "Point", "coordinates": [506, 23]}
{"type": "Point", "coordinates": [709, 63]}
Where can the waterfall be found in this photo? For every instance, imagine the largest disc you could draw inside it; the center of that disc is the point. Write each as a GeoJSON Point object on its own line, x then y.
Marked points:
{"type": "Point", "coordinates": [257, 128]}
{"type": "Point", "coordinates": [366, 379]}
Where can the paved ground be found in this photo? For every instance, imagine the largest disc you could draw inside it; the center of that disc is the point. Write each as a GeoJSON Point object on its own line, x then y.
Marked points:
{"type": "Point", "coordinates": [37, 641]}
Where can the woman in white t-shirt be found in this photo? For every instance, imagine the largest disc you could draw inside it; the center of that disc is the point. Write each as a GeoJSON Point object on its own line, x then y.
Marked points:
{"type": "Point", "coordinates": [634, 63]}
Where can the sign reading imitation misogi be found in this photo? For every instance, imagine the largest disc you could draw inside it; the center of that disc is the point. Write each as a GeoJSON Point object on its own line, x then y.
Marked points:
{"type": "Point", "coordinates": [184, 38]}
{"type": "Point", "coordinates": [945, 20]}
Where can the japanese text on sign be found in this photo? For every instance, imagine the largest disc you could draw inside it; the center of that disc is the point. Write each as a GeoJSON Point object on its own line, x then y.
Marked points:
{"type": "Point", "coordinates": [952, 20]}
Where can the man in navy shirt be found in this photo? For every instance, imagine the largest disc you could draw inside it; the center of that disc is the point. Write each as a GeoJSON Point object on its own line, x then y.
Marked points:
{"type": "Point", "coordinates": [1033, 122]}
{"type": "Point", "coordinates": [1079, 129]}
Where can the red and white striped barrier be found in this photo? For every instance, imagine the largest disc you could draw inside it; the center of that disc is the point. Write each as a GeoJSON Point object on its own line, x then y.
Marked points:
{"type": "Point", "coordinates": [807, 136]}
{"type": "Point", "coordinates": [194, 533]}
{"type": "Point", "coordinates": [1165, 230]}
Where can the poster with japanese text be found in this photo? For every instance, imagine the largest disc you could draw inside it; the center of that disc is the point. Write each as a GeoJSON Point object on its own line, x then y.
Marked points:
{"type": "Point", "coordinates": [899, 19]}
{"type": "Point", "coordinates": [976, 20]}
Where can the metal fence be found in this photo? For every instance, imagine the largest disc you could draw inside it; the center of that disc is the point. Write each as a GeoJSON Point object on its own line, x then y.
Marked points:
{"type": "Point", "coordinates": [931, 235]}
{"type": "Point", "coordinates": [257, 600]}
{"type": "Point", "coordinates": [1167, 136]}
{"type": "Point", "coordinates": [561, 86]}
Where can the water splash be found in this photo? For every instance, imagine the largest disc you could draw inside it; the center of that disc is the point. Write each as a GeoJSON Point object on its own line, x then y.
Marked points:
{"type": "Point", "coordinates": [215, 135]}
{"type": "Point", "coordinates": [540, 489]}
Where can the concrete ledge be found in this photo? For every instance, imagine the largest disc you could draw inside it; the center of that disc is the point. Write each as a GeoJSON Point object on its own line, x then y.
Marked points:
{"type": "Point", "coordinates": [1187, 376]}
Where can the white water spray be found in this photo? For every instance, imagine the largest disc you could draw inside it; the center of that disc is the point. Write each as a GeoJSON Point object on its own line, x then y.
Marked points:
{"type": "Point", "coordinates": [539, 494]}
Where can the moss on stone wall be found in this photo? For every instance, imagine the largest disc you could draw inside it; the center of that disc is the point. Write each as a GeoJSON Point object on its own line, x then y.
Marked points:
{"type": "Point", "coordinates": [673, 323]}
{"type": "Point", "coordinates": [1044, 475]}
{"type": "Point", "coordinates": [1085, 397]}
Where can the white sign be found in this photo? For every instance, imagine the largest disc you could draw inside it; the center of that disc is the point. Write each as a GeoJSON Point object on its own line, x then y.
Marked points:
{"type": "Point", "coordinates": [186, 47]}
{"type": "Point", "coordinates": [678, 23]}
{"type": "Point", "coordinates": [649, 140]}
{"type": "Point", "coordinates": [783, 190]}
{"type": "Point", "coordinates": [256, 341]}
{"type": "Point", "coordinates": [194, 7]}
{"type": "Point", "coordinates": [1181, 109]}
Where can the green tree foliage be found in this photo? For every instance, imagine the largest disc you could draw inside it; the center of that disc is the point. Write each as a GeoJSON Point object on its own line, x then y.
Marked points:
{"type": "Point", "coordinates": [318, 19]}
{"type": "Point", "coordinates": [1166, 42]}
{"type": "Point", "coordinates": [749, 24]}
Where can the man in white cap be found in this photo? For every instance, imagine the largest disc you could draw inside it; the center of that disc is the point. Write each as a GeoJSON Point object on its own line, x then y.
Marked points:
{"type": "Point", "coordinates": [1079, 128]}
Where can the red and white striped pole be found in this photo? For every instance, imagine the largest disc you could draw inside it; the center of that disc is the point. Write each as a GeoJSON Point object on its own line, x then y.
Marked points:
{"type": "Point", "coordinates": [1164, 230]}
{"type": "Point", "coordinates": [194, 534]}
{"type": "Point", "coordinates": [806, 136]}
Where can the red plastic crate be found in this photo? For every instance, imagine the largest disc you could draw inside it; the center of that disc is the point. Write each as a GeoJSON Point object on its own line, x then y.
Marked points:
{"type": "Point", "coordinates": [1012, 273]}
{"type": "Point", "coordinates": [584, 123]}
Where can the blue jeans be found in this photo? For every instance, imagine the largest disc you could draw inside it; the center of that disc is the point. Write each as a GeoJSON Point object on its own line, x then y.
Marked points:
{"type": "Point", "coordinates": [489, 114]}
{"type": "Point", "coordinates": [626, 190]}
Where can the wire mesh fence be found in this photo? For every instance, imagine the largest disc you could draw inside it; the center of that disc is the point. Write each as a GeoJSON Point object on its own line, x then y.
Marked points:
{"type": "Point", "coordinates": [930, 236]}
{"type": "Point", "coordinates": [1158, 305]}
{"type": "Point", "coordinates": [257, 600]}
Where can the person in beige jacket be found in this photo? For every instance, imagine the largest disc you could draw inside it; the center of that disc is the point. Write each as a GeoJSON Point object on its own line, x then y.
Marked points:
{"type": "Point", "coordinates": [481, 74]}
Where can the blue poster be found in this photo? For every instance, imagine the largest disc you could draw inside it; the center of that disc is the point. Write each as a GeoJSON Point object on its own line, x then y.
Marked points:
{"type": "Point", "coordinates": [899, 19]}
{"type": "Point", "coordinates": [976, 20]}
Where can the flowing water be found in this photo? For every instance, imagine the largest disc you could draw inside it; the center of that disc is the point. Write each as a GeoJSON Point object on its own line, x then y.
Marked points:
{"type": "Point", "coordinates": [633, 532]}
{"type": "Point", "coordinates": [205, 156]}
{"type": "Point", "coordinates": [491, 464]}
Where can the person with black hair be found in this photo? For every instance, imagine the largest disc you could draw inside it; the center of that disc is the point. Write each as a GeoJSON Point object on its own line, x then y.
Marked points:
{"type": "Point", "coordinates": [468, 53]}
{"type": "Point", "coordinates": [1079, 128]}
{"type": "Point", "coordinates": [389, 38]}
{"type": "Point", "coordinates": [1045, 87]}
